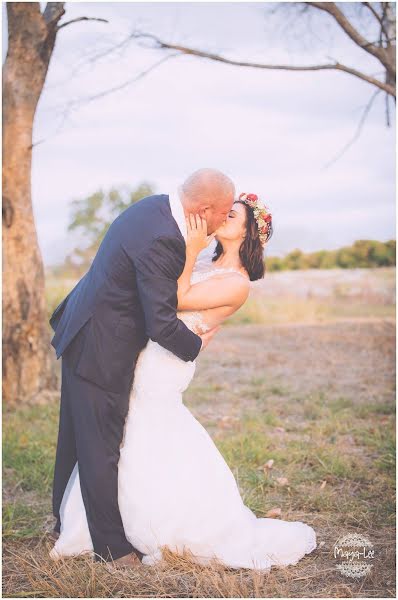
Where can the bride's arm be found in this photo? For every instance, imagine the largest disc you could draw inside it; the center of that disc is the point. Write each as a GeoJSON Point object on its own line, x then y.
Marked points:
{"type": "Point", "coordinates": [231, 290]}
{"type": "Point", "coordinates": [225, 291]}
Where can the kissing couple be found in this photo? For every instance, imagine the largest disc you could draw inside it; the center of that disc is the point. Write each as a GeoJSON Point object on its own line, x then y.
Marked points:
{"type": "Point", "coordinates": [134, 470]}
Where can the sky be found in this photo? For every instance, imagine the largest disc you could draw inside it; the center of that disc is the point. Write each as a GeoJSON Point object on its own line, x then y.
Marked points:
{"type": "Point", "coordinates": [275, 133]}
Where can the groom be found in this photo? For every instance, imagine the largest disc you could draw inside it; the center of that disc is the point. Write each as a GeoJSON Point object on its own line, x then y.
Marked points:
{"type": "Point", "coordinates": [128, 295]}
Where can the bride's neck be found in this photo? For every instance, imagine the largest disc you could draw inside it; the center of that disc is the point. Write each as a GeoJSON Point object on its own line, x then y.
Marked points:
{"type": "Point", "coordinates": [229, 257]}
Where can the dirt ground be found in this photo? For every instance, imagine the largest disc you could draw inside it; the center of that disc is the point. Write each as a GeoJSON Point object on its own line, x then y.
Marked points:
{"type": "Point", "coordinates": [354, 358]}
{"type": "Point", "coordinates": [319, 399]}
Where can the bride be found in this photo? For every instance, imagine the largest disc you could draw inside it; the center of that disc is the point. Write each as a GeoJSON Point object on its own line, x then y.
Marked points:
{"type": "Point", "coordinates": [175, 488]}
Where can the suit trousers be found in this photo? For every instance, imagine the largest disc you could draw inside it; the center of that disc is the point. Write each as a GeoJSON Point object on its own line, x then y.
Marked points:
{"type": "Point", "coordinates": [91, 427]}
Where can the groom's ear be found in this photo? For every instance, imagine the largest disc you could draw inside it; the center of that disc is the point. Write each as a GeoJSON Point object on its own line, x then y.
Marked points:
{"type": "Point", "coordinates": [203, 212]}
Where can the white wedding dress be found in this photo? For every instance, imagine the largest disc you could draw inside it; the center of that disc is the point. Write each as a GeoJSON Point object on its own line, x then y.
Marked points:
{"type": "Point", "coordinates": [175, 488]}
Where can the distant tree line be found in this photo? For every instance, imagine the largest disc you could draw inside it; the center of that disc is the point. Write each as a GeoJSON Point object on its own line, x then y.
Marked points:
{"type": "Point", "coordinates": [362, 254]}
{"type": "Point", "coordinates": [91, 217]}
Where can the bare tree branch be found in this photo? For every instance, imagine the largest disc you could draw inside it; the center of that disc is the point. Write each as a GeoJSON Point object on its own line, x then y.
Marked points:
{"type": "Point", "coordinates": [91, 60]}
{"type": "Point", "coordinates": [358, 131]}
{"type": "Point", "coordinates": [53, 12]}
{"type": "Point", "coordinates": [349, 29]}
{"type": "Point", "coordinates": [378, 17]}
{"type": "Point", "coordinates": [95, 57]}
{"type": "Point", "coordinates": [216, 57]}
{"type": "Point", "coordinates": [128, 82]}
{"type": "Point", "coordinates": [83, 101]}
{"type": "Point", "coordinates": [81, 19]}
{"type": "Point", "coordinates": [390, 89]}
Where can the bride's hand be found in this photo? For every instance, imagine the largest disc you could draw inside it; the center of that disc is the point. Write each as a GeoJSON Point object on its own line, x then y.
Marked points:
{"type": "Point", "coordinates": [197, 238]}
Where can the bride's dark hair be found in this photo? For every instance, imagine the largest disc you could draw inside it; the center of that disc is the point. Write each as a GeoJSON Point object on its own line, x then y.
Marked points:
{"type": "Point", "coordinates": [251, 251]}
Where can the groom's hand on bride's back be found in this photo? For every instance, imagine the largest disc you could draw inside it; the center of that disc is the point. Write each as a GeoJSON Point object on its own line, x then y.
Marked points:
{"type": "Point", "coordinates": [206, 337]}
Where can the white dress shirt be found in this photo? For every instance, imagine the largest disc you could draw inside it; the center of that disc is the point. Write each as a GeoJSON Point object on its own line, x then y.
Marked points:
{"type": "Point", "coordinates": [177, 211]}
{"type": "Point", "coordinates": [204, 258]}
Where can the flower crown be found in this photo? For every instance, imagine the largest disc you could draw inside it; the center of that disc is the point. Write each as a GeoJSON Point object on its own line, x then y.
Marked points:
{"type": "Point", "coordinates": [261, 214]}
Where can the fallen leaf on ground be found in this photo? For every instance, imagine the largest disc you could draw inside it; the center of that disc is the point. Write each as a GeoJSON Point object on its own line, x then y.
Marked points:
{"type": "Point", "coordinates": [268, 465]}
{"type": "Point", "coordinates": [228, 421]}
{"type": "Point", "coordinates": [274, 512]}
{"type": "Point", "coordinates": [282, 480]}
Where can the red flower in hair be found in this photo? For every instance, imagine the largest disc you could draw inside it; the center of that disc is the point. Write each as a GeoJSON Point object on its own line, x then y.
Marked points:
{"type": "Point", "coordinates": [262, 216]}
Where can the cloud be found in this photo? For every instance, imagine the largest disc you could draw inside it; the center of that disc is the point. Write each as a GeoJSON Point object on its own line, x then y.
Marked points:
{"type": "Point", "coordinates": [272, 132]}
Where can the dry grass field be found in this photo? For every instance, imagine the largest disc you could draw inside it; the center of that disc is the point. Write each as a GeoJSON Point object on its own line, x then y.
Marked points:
{"type": "Point", "coordinates": [304, 375]}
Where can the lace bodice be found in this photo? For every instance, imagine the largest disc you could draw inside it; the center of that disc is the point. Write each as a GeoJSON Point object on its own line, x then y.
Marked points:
{"type": "Point", "coordinates": [194, 319]}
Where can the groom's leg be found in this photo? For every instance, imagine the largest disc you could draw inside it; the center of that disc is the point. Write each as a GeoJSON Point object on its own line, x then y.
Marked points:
{"type": "Point", "coordinates": [99, 418]}
{"type": "Point", "coordinates": [66, 457]}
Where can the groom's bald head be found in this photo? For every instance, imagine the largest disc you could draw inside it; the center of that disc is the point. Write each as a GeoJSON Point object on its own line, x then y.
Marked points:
{"type": "Point", "coordinates": [209, 193]}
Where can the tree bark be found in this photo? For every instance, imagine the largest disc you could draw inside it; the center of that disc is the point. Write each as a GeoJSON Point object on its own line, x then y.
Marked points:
{"type": "Point", "coordinates": [28, 365]}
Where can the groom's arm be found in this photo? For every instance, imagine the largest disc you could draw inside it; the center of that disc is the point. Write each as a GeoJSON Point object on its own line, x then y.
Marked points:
{"type": "Point", "coordinates": [157, 270]}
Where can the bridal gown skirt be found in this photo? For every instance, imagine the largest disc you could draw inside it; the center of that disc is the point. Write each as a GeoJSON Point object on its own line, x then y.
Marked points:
{"type": "Point", "coordinates": [175, 488]}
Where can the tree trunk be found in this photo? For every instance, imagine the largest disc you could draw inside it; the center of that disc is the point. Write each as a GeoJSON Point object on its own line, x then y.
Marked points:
{"type": "Point", "coordinates": [390, 27]}
{"type": "Point", "coordinates": [27, 359]}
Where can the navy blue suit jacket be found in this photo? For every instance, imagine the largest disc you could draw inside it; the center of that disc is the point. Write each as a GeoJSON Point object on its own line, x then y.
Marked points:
{"type": "Point", "coordinates": [128, 295]}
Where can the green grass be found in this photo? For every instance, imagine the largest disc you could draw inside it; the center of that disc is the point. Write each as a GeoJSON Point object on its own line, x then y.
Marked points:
{"type": "Point", "coordinates": [382, 443]}
{"type": "Point", "coordinates": [23, 521]}
{"type": "Point", "coordinates": [335, 448]}
{"type": "Point", "coordinates": [313, 451]}
{"type": "Point", "coordinates": [29, 439]}
{"type": "Point", "coordinates": [335, 445]}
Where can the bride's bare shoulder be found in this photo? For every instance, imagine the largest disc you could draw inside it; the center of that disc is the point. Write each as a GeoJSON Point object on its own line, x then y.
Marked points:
{"type": "Point", "coordinates": [237, 284]}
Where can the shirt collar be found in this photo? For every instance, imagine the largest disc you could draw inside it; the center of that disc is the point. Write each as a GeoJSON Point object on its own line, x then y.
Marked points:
{"type": "Point", "coordinates": [177, 211]}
